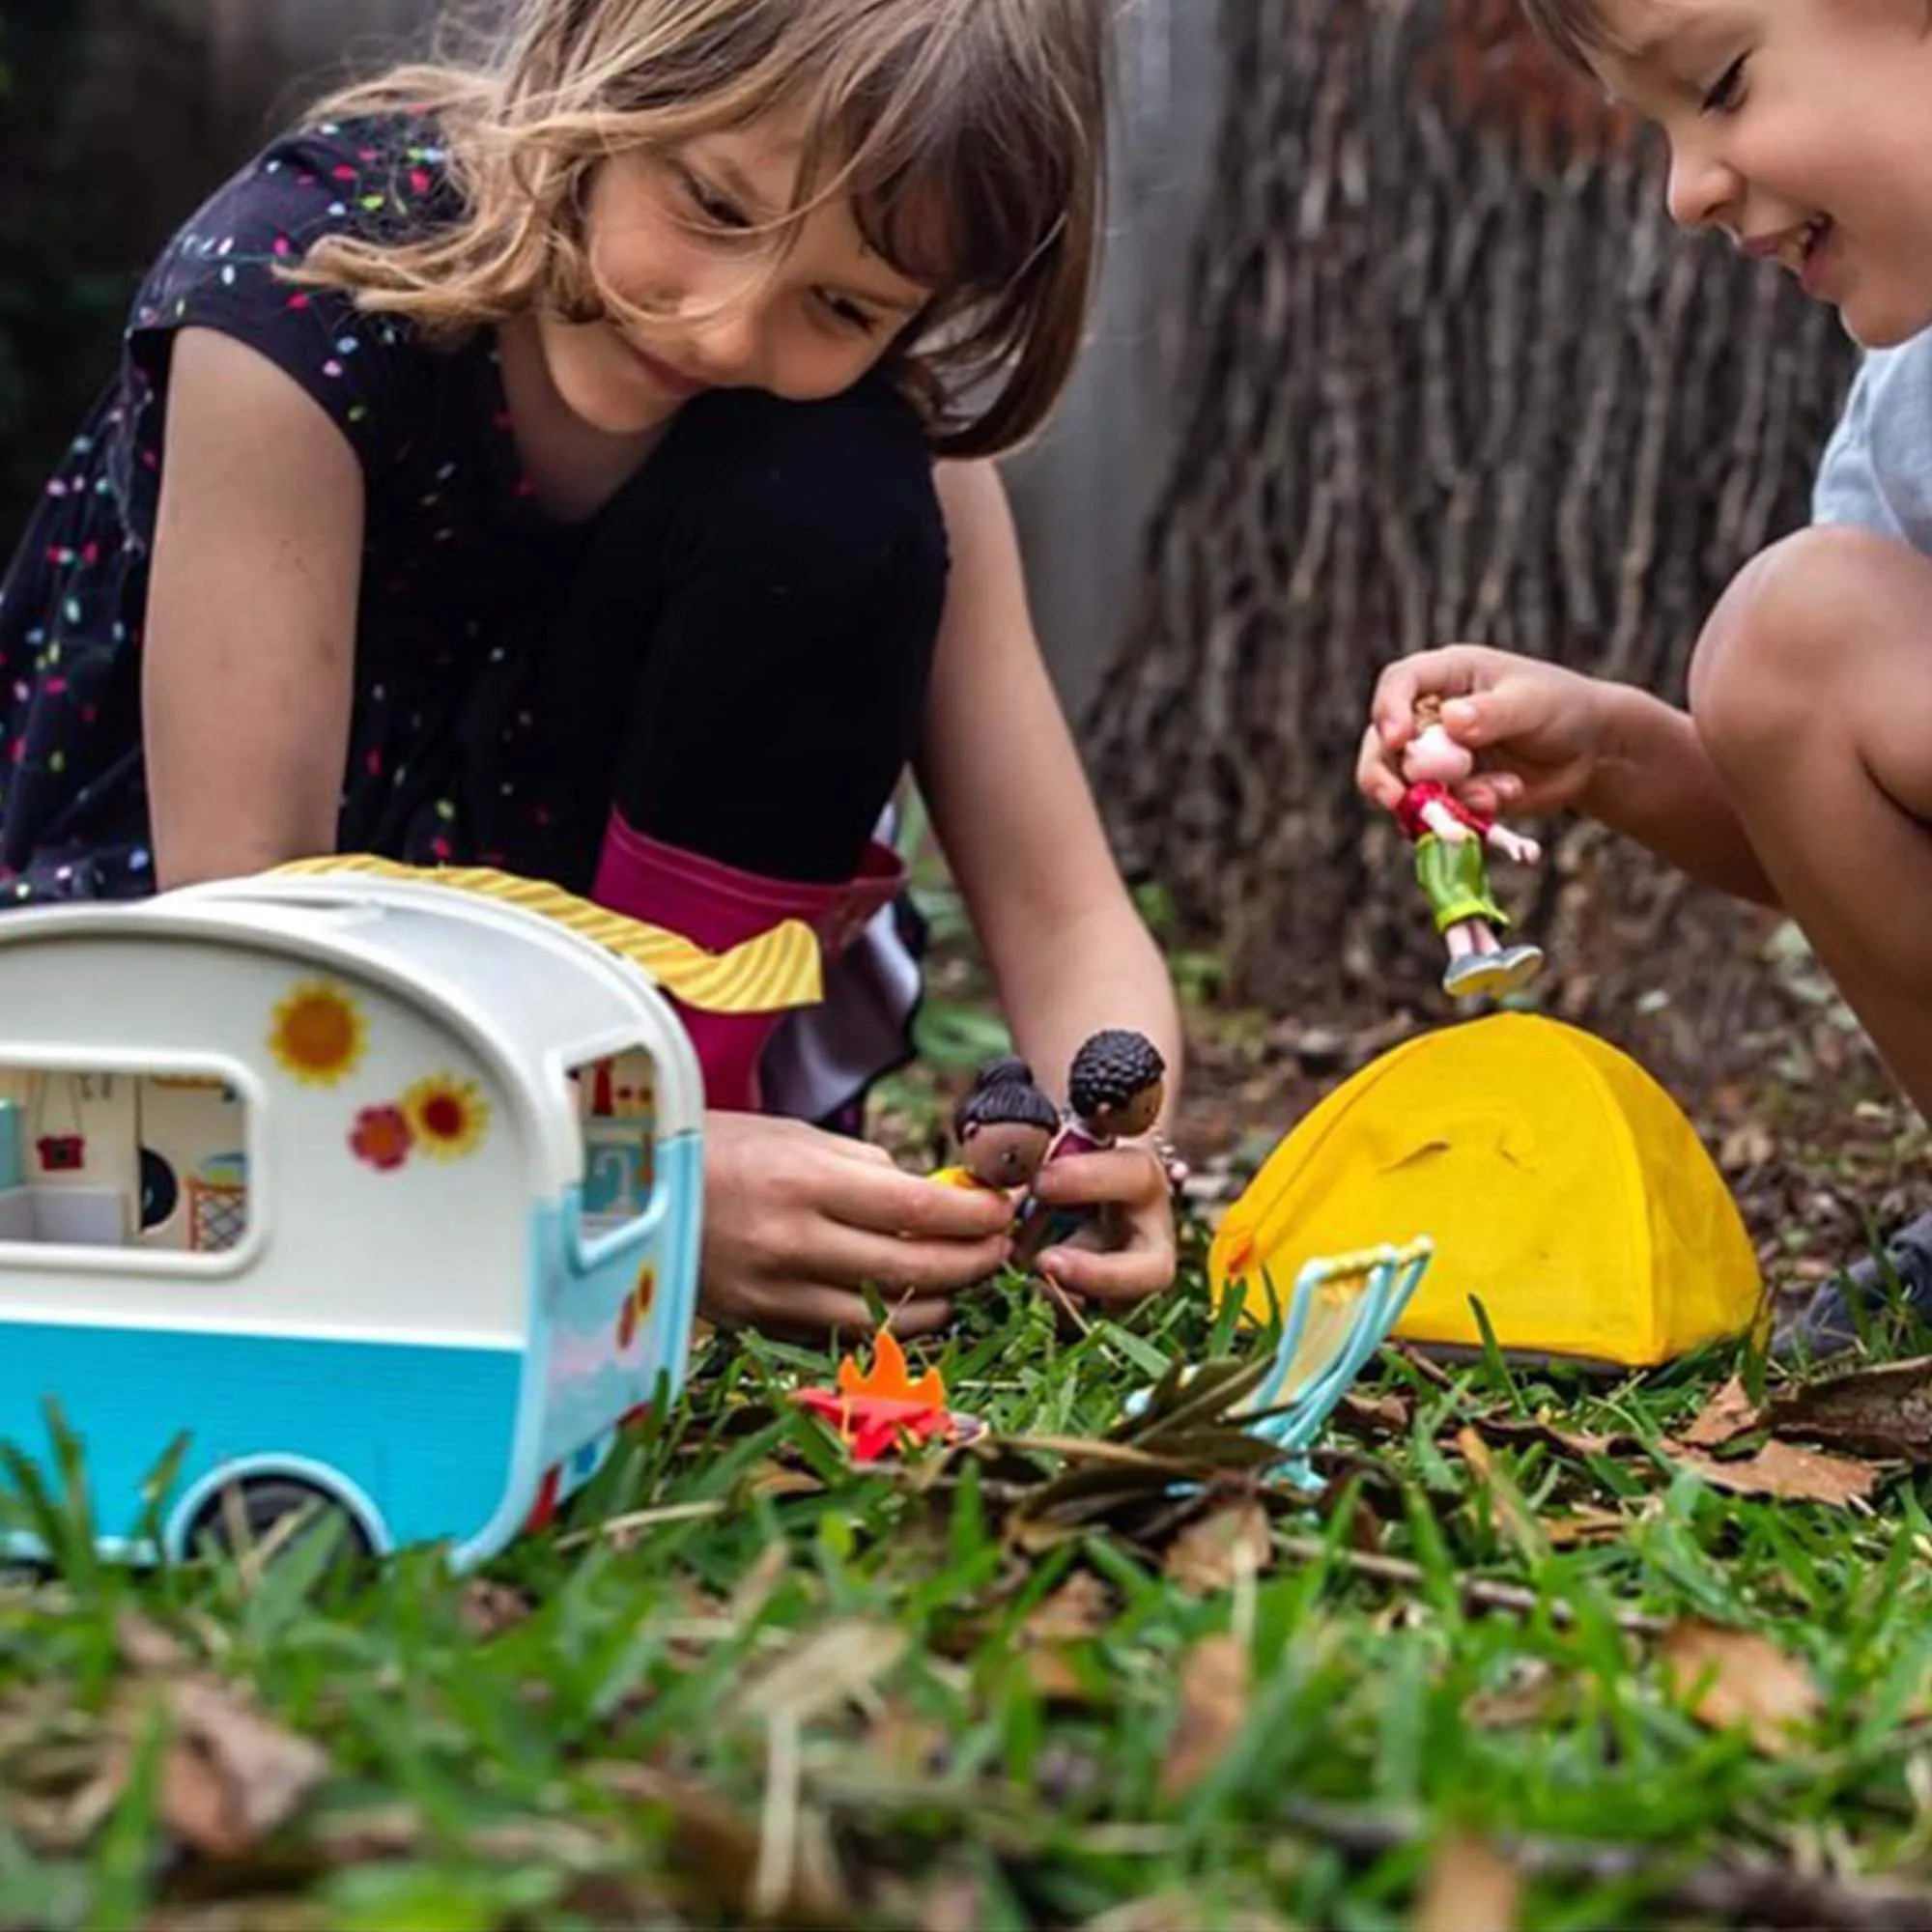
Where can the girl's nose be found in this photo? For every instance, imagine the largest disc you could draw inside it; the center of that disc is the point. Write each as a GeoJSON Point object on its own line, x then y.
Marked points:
{"type": "Point", "coordinates": [731, 344]}
{"type": "Point", "coordinates": [1702, 189]}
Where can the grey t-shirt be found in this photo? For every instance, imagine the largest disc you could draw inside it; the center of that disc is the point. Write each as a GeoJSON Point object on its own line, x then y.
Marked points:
{"type": "Point", "coordinates": [1877, 469]}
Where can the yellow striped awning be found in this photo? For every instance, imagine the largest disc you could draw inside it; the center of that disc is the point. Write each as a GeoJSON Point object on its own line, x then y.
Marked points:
{"type": "Point", "coordinates": [774, 971]}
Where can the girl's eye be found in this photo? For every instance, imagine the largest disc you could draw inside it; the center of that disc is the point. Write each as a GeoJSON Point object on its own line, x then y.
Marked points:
{"type": "Point", "coordinates": [720, 209]}
{"type": "Point", "coordinates": [850, 313]}
{"type": "Point", "coordinates": [1727, 89]}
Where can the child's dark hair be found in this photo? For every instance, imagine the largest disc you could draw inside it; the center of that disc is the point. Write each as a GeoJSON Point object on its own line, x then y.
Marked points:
{"type": "Point", "coordinates": [1111, 1069]}
{"type": "Point", "coordinates": [1004, 1093]}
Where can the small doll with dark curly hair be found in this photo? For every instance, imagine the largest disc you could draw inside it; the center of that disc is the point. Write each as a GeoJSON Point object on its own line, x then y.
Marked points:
{"type": "Point", "coordinates": [1116, 1088]}
{"type": "Point", "coordinates": [1004, 1125]}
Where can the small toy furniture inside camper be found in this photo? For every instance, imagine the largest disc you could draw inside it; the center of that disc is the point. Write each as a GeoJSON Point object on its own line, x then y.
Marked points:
{"type": "Point", "coordinates": [365, 1191]}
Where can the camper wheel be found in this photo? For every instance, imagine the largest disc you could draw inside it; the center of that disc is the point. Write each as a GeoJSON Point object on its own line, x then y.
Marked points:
{"type": "Point", "coordinates": [264, 1510]}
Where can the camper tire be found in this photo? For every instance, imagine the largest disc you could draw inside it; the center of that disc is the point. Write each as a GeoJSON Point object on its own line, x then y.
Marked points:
{"type": "Point", "coordinates": [259, 1506]}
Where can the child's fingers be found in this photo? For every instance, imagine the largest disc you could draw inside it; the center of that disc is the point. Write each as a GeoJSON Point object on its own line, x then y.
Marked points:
{"type": "Point", "coordinates": [1125, 1176]}
{"type": "Point", "coordinates": [1376, 775]}
{"type": "Point", "coordinates": [887, 1201]}
{"type": "Point", "coordinates": [1511, 709]}
{"type": "Point", "coordinates": [1118, 1275]}
{"type": "Point", "coordinates": [1448, 672]}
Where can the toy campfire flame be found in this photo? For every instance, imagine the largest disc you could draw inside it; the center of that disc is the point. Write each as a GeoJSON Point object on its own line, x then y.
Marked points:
{"type": "Point", "coordinates": [879, 1409]}
{"type": "Point", "coordinates": [888, 1379]}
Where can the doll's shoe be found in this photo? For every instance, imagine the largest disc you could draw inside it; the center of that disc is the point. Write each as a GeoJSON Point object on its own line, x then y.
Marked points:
{"type": "Point", "coordinates": [1521, 964]}
{"type": "Point", "coordinates": [1475, 973]}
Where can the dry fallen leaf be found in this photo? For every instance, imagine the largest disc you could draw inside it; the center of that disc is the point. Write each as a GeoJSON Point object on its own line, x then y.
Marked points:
{"type": "Point", "coordinates": [1737, 1677]}
{"type": "Point", "coordinates": [1513, 1515]}
{"type": "Point", "coordinates": [488, 1608]}
{"type": "Point", "coordinates": [1079, 1609]}
{"type": "Point", "coordinates": [955, 1903]}
{"type": "Point", "coordinates": [829, 1666]}
{"type": "Point", "coordinates": [1586, 1526]}
{"type": "Point", "coordinates": [1214, 1549]}
{"type": "Point", "coordinates": [1884, 1411]}
{"type": "Point", "coordinates": [1213, 1707]}
{"type": "Point", "coordinates": [1747, 1146]}
{"type": "Point", "coordinates": [1535, 1696]}
{"type": "Point", "coordinates": [1729, 1413]}
{"type": "Point", "coordinates": [230, 1775]}
{"type": "Point", "coordinates": [1468, 1887]}
{"type": "Point", "coordinates": [712, 1839]}
{"type": "Point", "coordinates": [1791, 1474]}
{"type": "Point", "coordinates": [1374, 1415]}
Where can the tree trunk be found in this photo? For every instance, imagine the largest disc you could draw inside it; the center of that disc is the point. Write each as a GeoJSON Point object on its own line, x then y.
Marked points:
{"type": "Point", "coordinates": [1453, 376]}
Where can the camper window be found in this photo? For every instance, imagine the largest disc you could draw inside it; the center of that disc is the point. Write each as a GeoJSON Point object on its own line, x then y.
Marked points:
{"type": "Point", "coordinates": [122, 1157]}
{"type": "Point", "coordinates": [616, 1112]}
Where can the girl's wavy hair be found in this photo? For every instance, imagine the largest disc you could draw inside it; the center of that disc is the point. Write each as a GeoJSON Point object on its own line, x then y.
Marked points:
{"type": "Point", "coordinates": [969, 135]}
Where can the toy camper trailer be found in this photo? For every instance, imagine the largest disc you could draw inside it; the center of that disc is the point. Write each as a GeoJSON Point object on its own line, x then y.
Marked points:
{"type": "Point", "coordinates": [353, 1193]}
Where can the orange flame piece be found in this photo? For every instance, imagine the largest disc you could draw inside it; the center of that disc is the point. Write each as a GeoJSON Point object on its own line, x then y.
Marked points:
{"type": "Point", "coordinates": [889, 1380]}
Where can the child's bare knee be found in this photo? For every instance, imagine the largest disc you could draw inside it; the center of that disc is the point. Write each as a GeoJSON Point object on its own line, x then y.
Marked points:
{"type": "Point", "coordinates": [1770, 657]}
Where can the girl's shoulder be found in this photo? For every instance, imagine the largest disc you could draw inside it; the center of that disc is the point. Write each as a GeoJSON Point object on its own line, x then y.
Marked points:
{"type": "Point", "coordinates": [231, 268]}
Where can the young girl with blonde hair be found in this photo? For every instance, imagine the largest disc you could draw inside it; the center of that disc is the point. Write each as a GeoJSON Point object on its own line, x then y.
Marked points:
{"type": "Point", "coordinates": [577, 461]}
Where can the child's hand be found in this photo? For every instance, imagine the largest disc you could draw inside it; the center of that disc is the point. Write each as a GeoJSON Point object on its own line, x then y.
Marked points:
{"type": "Point", "coordinates": [1136, 1252]}
{"type": "Point", "coordinates": [1537, 729]}
{"type": "Point", "coordinates": [797, 1220]}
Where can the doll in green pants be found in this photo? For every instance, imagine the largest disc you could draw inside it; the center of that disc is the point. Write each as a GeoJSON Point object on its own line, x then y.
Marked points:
{"type": "Point", "coordinates": [1452, 866]}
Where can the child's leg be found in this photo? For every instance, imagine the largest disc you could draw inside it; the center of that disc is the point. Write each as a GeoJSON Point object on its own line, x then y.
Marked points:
{"type": "Point", "coordinates": [1812, 692]}
{"type": "Point", "coordinates": [768, 593]}
{"type": "Point", "coordinates": [765, 599]}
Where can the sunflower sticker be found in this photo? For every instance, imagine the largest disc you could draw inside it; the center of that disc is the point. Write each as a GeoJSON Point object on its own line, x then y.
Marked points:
{"type": "Point", "coordinates": [447, 1116]}
{"type": "Point", "coordinates": [318, 1033]}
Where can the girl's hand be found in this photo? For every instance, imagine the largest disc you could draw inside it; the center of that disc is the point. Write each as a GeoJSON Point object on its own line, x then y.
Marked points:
{"type": "Point", "coordinates": [797, 1220]}
{"type": "Point", "coordinates": [1133, 1250]}
{"type": "Point", "coordinates": [1537, 730]}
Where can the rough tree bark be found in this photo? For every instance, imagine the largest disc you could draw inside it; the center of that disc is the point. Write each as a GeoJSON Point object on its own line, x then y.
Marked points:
{"type": "Point", "coordinates": [1452, 375]}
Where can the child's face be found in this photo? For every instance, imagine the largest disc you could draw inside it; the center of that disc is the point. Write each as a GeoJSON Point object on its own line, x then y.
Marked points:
{"type": "Point", "coordinates": [1802, 128]}
{"type": "Point", "coordinates": [808, 328]}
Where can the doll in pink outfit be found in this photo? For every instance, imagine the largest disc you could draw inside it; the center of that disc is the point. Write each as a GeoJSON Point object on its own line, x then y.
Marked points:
{"type": "Point", "coordinates": [1452, 844]}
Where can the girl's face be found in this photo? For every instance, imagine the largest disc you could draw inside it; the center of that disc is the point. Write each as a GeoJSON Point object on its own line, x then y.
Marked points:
{"type": "Point", "coordinates": [671, 235]}
{"type": "Point", "coordinates": [1801, 129]}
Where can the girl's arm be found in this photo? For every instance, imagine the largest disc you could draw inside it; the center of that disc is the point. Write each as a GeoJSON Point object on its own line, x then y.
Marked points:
{"type": "Point", "coordinates": [250, 649]}
{"type": "Point", "coordinates": [1011, 804]}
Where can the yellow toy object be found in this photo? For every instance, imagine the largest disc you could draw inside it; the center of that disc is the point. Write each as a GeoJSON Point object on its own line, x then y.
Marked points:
{"type": "Point", "coordinates": [774, 971]}
{"type": "Point", "coordinates": [1565, 1189]}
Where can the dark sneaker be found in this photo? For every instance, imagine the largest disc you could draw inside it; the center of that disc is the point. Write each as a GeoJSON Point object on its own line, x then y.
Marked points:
{"type": "Point", "coordinates": [1857, 1302]}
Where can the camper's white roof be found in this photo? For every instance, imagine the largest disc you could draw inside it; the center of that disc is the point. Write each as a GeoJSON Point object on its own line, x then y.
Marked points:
{"type": "Point", "coordinates": [530, 986]}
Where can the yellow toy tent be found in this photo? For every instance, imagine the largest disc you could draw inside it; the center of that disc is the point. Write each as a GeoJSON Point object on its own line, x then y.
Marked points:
{"type": "Point", "coordinates": [1562, 1185]}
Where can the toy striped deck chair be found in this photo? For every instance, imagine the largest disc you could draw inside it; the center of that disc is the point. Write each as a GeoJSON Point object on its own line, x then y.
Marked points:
{"type": "Point", "coordinates": [1339, 1312]}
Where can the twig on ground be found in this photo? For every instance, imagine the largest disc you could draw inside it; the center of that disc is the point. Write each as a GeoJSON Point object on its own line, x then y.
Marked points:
{"type": "Point", "coordinates": [1733, 1887]}
{"type": "Point", "coordinates": [1478, 1592]}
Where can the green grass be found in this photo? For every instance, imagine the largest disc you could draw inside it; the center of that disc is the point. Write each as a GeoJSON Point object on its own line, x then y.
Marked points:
{"type": "Point", "coordinates": [745, 1679]}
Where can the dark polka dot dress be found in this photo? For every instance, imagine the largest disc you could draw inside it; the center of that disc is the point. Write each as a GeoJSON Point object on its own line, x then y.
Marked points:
{"type": "Point", "coordinates": [449, 758]}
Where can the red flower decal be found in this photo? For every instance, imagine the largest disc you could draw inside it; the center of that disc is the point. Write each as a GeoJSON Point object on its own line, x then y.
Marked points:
{"type": "Point", "coordinates": [382, 1137]}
